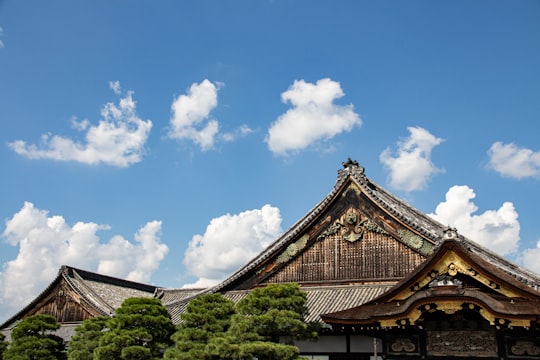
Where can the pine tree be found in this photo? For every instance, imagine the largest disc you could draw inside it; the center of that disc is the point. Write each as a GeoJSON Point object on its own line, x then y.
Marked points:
{"type": "Point", "coordinates": [32, 339]}
{"type": "Point", "coordinates": [267, 320]}
{"type": "Point", "coordinates": [86, 338]}
{"type": "Point", "coordinates": [140, 330]}
{"type": "Point", "coordinates": [206, 317]}
{"type": "Point", "coordinates": [3, 345]}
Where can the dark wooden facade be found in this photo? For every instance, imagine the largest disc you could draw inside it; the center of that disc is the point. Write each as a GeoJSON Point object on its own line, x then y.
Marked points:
{"type": "Point", "coordinates": [64, 304]}
{"type": "Point", "coordinates": [455, 305]}
{"type": "Point", "coordinates": [76, 295]}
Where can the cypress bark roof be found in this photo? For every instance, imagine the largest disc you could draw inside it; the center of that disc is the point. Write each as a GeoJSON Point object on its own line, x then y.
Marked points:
{"type": "Point", "coordinates": [455, 277]}
{"type": "Point", "coordinates": [391, 215]}
{"type": "Point", "coordinates": [85, 293]}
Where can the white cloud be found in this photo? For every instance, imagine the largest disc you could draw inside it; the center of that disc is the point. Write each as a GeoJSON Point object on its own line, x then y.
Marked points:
{"type": "Point", "coordinates": [115, 87]}
{"type": "Point", "coordinates": [530, 258]}
{"type": "Point", "coordinates": [513, 161]}
{"type": "Point", "coordinates": [412, 168]}
{"type": "Point", "coordinates": [229, 242]}
{"type": "Point", "coordinates": [314, 117]}
{"type": "Point", "coordinates": [1, 41]}
{"type": "Point", "coordinates": [240, 132]}
{"type": "Point", "coordinates": [190, 115]}
{"type": "Point", "coordinates": [497, 230]}
{"type": "Point", "coordinates": [117, 140]}
{"type": "Point", "coordinates": [47, 242]}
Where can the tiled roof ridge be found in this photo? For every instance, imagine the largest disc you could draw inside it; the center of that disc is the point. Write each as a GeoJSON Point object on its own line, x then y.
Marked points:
{"type": "Point", "coordinates": [381, 196]}
{"type": "Point", "coordinates": [99, 303]}
{"type": "Point", "coordinates": [59, 275]}
{"type": "Point", "coordinates": [278, 243]}
{"type": "Point", "coordinates": [351, 169]}
{"type": "Point", "coordinates": [90, 275]}
{"type": "Point", "coordinates": [419, 221]}
{"type": "Point", "coordinates": [375, 191]}
{"type": "Point", "coordinates": [519, 273]}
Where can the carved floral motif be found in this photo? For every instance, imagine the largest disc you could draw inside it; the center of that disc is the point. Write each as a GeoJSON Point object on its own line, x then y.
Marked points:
{"type": "Point", "coordinates": [293, 249]}
{"type": "Point", "coordinates": [525, 348]}
{"type": "Point", "coordinates": [351, 226]}
{"type": "Point", "coordinates": [461, 343]}
{"type": "Point", "coordinates": [415, 241]}
{"type": "Point", "coordinates": [401, 345]}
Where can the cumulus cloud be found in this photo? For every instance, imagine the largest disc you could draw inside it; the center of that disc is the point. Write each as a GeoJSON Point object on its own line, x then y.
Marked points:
{"type": "Point", "coordinates": [313, 117]}
{"type": "Point", "coordinates": [46, 242]}
{"type": "Point", "coordinates": [1, 41]}
{"type": "Point", "coordinates": [240, 132]}
{"type": "Point", "coordinates": [514, 161]}
{"type": "Point", "coordinates": [411, 168]}
{"type": "Point", "coordinates": [118, 139]}
{"type": "Point", "coordinates": [191, 120]}
{"type": "Point", "coordinates": [229, 242]}
{"type": "Point", "coordinates": [497, 230]}
{"type": "Point", "coordinates": [530, 258]}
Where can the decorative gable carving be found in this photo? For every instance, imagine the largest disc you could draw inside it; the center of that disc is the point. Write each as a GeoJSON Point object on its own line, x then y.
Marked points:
{"type": "Point", "coordinates": [352, 225]}
{"type": "Point", "coordinates": [452, 282]}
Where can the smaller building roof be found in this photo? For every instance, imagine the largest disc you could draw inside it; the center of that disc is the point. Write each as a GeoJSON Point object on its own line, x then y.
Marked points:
{"type": "Point", "coordinates": [99, 294]}
{"type": "Point", "coordinates": [452, 279]}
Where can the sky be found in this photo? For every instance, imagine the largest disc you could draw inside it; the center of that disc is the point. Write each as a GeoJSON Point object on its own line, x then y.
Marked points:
{"type": "Point", "coordinates": [168, 142]}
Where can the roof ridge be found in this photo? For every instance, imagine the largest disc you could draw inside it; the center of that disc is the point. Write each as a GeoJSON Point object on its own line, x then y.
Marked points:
{"type": "Point", "coordinates": [285, 237]}
{"type": "Point", "coordinates": [91, 299]}
{"type": "Point", "coordinates": [35, 300]}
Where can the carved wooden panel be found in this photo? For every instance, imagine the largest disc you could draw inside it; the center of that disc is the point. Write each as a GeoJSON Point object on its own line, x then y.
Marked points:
{"type": "Point", "coordinates": [64, 304]}
{"type": "Point", "coordinates": [523, 348]}
{"type": "Point", "coordinates": [403, 345]}
{"type": "Point", "coordinates": [334, 258]}
{"type": "Point", "coordinates": [461, 343]}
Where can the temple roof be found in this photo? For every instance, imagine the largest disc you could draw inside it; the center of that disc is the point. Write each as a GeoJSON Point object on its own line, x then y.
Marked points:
{"type": "Point", "coordinates": [456, 278]}
{"type": "Point", "coordinates": [99, 294]}
{"type": "Point", "coordinates": [353, 175]}
{"type": "Point", "coordinates": [368, 238]}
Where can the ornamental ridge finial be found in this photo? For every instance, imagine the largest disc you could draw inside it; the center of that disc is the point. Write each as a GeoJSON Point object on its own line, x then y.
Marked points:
{"type": "Point", "coordinates": [450, 233]}
{"type": "Point", "coordinates": [353, 164]}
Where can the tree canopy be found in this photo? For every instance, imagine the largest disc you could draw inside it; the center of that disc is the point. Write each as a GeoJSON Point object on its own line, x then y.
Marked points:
{"type": "Point", "coordinates": [141, 329]}
{"type": "Point", "coordinates": [261, 326]}
{"type": "Point", "coordinates": [86, 338]}
{"type": "Point", "coordinates": [3, 344]}
{"type": "Point", "coordinates": [32, 339]}
{"type": "Point", "coordinates": [206, 317]}
{"type": "Point", "coordinates": [267, 320]}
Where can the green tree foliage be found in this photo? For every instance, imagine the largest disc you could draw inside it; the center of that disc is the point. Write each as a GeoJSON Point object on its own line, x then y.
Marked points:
{"type": "Point", "coordinates": [141, 329]}
{"type": "Point", "coordinates": [3, 344]}
{"type": "Point", "coordinates": [268, 315]}
{"type": "Point", "coordinates": [86, 338]}
{"type": "Point", "coordinates": [32, 339]}
{"type": "Point", "coordinates": [206, 317]}
{"type": "Point", "coordinates": [266, 318]}
{"type": "Point", "coordinates": [275, 311]}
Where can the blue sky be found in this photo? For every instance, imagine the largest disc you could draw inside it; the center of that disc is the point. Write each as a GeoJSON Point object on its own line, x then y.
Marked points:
{"type": "Point", "coordinates": [168, 142]}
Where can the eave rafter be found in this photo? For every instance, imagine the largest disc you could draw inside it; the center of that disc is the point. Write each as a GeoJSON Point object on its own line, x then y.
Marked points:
{"type": "Point", "coordinates": [414, 314]}
{"type": "Point", "coordinates": [452, 264]}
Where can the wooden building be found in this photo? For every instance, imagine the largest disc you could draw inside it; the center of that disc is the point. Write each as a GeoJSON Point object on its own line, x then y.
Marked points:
{"type": "Point", "coordinates": [386, 280]}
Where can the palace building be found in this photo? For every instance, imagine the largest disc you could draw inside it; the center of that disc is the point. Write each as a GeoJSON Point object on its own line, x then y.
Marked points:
{"type": "Point", "coordinates": [383, 278]}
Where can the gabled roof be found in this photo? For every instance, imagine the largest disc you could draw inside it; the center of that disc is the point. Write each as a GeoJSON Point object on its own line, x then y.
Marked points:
{"type": "Point", "coordinates": [391, 215]}
{"type": "Point", "coordinates": [97, 294]}
{"type": "Point", "coordinates": [454, 278]}
{"type": "Point", "coordinates": [319, 299]}
{"type": "Point", "coordinates": [350, 177]}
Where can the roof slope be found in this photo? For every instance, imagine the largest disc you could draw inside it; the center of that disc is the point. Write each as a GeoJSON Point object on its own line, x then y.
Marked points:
{"type": "Point", "coordinates": [359, 234]}
{"type": "Point", "coordinates": [75, 295]}
{"type": "Point", "coordinates": [376, 211]}
{"type": "Point", "coordinates": [454, 278]}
